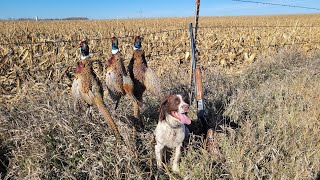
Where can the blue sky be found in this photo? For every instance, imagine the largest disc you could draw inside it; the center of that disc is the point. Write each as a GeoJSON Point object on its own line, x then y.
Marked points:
{"type": "Point", "coordinates": [107, 9]}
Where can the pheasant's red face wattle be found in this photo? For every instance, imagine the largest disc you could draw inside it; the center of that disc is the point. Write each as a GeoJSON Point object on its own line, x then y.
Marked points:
{"type": "Point", "coordinates": [81, 44]}
{"type": "Point", "coordinates": [110, 61]}
{"type": "Point", "coordinates": [79, 67]}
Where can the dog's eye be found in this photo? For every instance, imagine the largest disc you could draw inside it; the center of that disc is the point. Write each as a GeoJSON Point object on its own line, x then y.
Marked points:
{"type": "Point", "coordinates": [176, 101]}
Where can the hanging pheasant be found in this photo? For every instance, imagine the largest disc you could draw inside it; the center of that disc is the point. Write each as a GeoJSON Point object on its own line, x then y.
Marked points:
{"type": "Point", "coordinates": [142, 76]}
{"type": "Point", "coordinates": [117, 80]}
{"type": "Point", "coordinates": [87, 87]}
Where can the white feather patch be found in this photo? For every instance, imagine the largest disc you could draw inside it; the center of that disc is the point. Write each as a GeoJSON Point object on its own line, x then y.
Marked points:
{"type": "Point", "coordinates": [110, 78]}
{"type": "Point", "coordinates": [127, 80]}
{"type": "Point", "coordinates": [75, 89]}
{"type": "Point", "coordinates": [152, 82]}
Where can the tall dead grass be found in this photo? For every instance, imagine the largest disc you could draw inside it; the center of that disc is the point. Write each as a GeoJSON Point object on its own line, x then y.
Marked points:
{"type": "Point", "coordinates": [274, 104]}
{"type": "Point", "coordinates": [267, 114]}
{"type": "Point", "coordinates": [277, 106]}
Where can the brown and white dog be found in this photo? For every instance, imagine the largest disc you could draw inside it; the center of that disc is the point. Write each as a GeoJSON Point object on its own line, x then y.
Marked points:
{"type": "Point", "coordinates": [171, 130]}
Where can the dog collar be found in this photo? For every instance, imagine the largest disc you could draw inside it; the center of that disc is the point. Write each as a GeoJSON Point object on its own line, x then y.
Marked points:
{"type": "Point", "coordinates": [174, 125]}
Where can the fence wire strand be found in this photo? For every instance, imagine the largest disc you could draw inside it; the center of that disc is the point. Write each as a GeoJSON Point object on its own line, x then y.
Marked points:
{"type": "Point", "coordinates": [97, 39]}
{"type": "Point", "coordinates": [179, 29]}
{"type": "Point", "coordinates": [276, 4]}
{"type": "Point", "coordinates": [266, 46]}
{"type": "Point", "coordinates": [146, 34]}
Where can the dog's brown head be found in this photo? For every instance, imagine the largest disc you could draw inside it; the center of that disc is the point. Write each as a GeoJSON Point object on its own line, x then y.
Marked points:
{"type": "Point", "coordinates": [175, 106]}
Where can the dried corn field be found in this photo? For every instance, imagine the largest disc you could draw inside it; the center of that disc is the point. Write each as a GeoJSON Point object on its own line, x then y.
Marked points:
{"type": "Point", "coordinates": [41, 137]}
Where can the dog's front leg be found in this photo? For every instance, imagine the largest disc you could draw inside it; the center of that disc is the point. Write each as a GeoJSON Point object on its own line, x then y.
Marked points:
{"type": "Point", "coordinates": [159, 151]}
{"type": "Point", "coordinates": [175, 165]}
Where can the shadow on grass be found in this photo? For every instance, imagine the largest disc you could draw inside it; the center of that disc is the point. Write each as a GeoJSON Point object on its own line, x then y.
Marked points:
{"type": "Point", "coordinates": [215, 118]}
{"type": "Point", "coordinates": [318, 176]}
{"type": "Point", "coordinates": [4, 160]}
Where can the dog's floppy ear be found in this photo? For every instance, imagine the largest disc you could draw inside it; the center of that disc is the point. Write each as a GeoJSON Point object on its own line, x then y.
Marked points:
{"type": "Point", "coordinates": [163, 109]}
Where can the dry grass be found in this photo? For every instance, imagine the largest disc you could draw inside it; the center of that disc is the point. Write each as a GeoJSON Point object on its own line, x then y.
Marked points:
{"type": "Point", "coordinates": [268, 112]}
{"type": "Point", "coordinates": [277, 105]}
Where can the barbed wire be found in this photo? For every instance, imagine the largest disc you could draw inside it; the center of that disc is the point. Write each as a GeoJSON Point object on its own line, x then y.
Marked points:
{"type": "Point", "coordinates": [39, 42]}
{"type": "Point", "coordinates": [276, 4]}
{"type": "Point", "coordinates": [267, 46]}
{"type": "Point", "coordinates": [169, 53]}
{"type": "Point", "coordinates": [264, 26]}
{"type": "Point", "coordinates": [152, 56]}
{"type": "Point", "coordinates": [97, 39]}
{"type": "Point", "coordinates": [146, 34]}
{"type": "Point", "coordinates": [143, 34]}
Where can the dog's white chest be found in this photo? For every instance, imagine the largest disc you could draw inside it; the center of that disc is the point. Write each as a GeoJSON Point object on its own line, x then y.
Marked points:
{"type": "Point", "coordinates": [170, 136]}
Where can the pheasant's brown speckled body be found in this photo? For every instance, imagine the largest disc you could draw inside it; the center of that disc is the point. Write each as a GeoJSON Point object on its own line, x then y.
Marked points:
{"type": "Point", "coordinates": [114, 77]}
{"type": "Point", "coordinates": [143, 77]}
{"type": "Point", "coordinates": [133, 82]}
{"type": "Point", "coordinates": [137, 69]}
{"type": "Point", "coordinates": [117, 80]}
{"type": "Point", "coordinates": [86, 86]}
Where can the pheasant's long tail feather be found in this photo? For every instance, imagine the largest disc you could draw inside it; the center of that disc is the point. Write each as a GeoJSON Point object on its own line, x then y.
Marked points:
{"type": "Point", "coordinates": [136, 110]}
{"type": "Point", "coordinates": [117, 103]}
{"type": "Point", "coordinates": [106, 115]}
{"type": "Point", "coordinates": [152, 82]}
{"type": "Point", "coordinates": [75, 93]}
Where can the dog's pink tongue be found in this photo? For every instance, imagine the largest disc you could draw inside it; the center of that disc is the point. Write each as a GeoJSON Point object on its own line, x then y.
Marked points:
{"type": "Point", "coordinates": [182, 117]}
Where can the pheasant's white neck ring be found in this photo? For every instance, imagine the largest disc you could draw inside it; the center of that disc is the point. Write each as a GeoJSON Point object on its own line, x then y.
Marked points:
{"type": "Point", "coordinates": [114, 51]}
{"type": "Point", "coordinates": [84, 57]}
{"type": "Point", "coordinates": [134, 48]}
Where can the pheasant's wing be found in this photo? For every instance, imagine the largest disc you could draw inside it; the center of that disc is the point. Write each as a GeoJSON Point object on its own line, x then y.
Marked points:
{"type": "Point", "coordinates": [122, 67]}
{"type": "Point", "coordinates": [152, 82]}
{"type": "Point", "coordinates": [76, 93]}
{"type": "Point", "coordinates": [96, 86]}
{"type": "Point", "coordinates": [75, 89]}
{"type": "Point", "coordinates": [137, 66]}
{"type": "Point", "coordinates": [114, 85]}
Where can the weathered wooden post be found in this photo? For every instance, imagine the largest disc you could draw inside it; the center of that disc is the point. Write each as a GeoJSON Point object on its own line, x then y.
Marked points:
{"type": "Point", "coordinates": [196, 20]}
